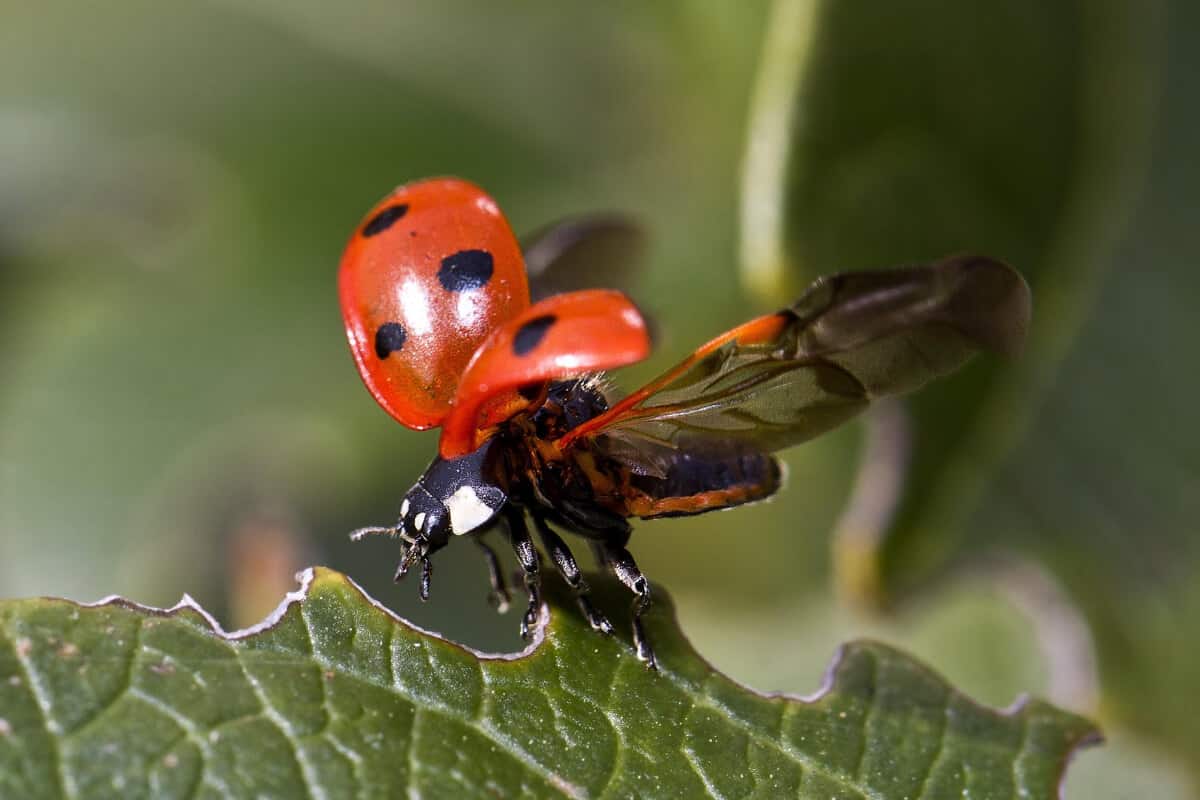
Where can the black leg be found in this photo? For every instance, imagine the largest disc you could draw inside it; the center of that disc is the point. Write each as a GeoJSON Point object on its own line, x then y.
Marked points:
{"type": "Point", "coordinates": [408, 557]}
{"type": "Point", "coordinates": [527, 557]}
{"type": "Point", "coordinates": [426, 577]}
{"type": "Point", "coordinates": [564, 562]}
{"type": "Point", "coordinates": [499, 596]}
{"type": "Point", "coordinates": [627, 572]}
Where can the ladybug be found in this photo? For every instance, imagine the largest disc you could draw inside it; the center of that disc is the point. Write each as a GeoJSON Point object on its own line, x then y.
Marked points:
{"type": "Point", "coordinates": [436, 296]}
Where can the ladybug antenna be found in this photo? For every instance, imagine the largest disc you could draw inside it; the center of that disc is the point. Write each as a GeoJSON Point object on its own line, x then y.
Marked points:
{"type": "Point", "coordinates": [381, 530]}
{"type": "Point", "coordinates": [362, 533]}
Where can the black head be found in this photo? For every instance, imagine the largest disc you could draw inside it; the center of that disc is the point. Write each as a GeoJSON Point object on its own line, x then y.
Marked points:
{"type": "Point", "coordinates": [423, 519]}
{"type": "Point", "coordinates": [454, 496]}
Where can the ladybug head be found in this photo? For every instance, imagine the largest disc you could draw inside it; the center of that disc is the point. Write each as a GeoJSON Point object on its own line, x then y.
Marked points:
{"type": "Point", "coordinates": [424, 520]}
{"type": "Point", "coordinates": [454, 496]}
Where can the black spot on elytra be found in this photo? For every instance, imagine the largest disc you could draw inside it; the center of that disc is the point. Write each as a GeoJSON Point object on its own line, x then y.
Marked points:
{"type": "Point", "coordinates": [530, 334]}
{"type": "Point", "coordinates": [384, 219]}
{"type": "Point", "coordinates": [466, 269]}
{"type": "Point", "coordinates": [389, 338]}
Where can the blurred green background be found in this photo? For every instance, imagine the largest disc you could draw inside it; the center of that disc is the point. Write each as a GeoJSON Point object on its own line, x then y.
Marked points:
{"type": "Point", "coordinates": [178, 412]}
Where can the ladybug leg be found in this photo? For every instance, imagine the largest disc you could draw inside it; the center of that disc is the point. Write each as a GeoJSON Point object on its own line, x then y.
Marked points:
{"type": "Point", "coordinates": [527, 557]}
{"type": "Point", "coordinates": [499, 596]}
{"type": "Point", "coordinates": [626, 569]}
{"type": "Point", "coordinates": [565, 563]}
{"type": "Point", "coordinates": [412, 553]}
{"type": "Point", "coordinates": [426, 577]}
{"type": "Point", "coordinates": [409, 555]}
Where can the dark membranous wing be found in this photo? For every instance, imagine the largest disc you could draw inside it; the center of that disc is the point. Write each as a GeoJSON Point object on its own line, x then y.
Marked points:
{"type": "Point", "coordinates": [852, 338]}
{"type": "Point", "coordinates": [597, 251]}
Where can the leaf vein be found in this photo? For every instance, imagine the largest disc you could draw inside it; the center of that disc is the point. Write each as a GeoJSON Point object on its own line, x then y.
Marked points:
{"type": "Point", "coordinates": [783, 747]}
{"type": "Point", "coordinates": [483, 726]}
{"type": "Point", "coordinates": [864, 727]}
{"type": "Point", "coordinates": [193, 734]}
{"type": "Point", "coordinates": [694, 763]}
{"type": "Point", "coordinates": [1018, 774]}
{"type": "Point", "coordinates": [414, 790]}
{"type": "Point", "coordinates": [923, 786]}
{"type": "Point", "coordinates": [41, 699]}
{"type": "Point", "coordinates": [309, 774]}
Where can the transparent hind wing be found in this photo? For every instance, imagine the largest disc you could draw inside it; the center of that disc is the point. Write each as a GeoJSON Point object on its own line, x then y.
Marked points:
{"type": "Point", "coordinates": [850, 339]}
{"type": "Point", "coordinates": [593, 251]}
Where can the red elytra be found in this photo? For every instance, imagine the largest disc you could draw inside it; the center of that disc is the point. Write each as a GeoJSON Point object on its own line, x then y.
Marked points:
{"type": "Point", "coordinates": [432, 270]}
{"type": "Point", "coordinates": [563, 335]}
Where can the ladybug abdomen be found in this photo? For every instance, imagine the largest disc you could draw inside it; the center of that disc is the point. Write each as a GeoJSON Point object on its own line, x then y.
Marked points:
{"type": "Point", "coordinates": [704, 480]}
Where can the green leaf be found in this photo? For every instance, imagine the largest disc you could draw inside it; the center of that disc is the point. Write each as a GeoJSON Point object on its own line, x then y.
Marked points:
{"type": "Point", "coordinates": [334, 696]}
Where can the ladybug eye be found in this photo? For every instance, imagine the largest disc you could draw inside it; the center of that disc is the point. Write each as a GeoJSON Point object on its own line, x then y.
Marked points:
{"type": "Point", "coordinates": [465, 270]}
{"type": "Point", "coordinates": [389, 338]}
{"type": "Point", "coordinates": [384, 219]}
{"type": "Point", "coordinates": [530, 334]}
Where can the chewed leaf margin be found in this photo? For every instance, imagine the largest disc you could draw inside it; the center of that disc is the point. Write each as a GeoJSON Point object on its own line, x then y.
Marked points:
{"type": "Point", "coordinates": [333, 694]}
{"type": "Point", "coordinates": [306, 579]}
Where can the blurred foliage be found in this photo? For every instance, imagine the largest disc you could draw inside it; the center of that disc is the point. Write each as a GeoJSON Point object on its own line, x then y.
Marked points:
{"type": "Point", "coordinates": [336, 697]}
{"type": "Point", "coordinates": [177, 180]}
{"type": "Point", "coordinates": [920, 129]}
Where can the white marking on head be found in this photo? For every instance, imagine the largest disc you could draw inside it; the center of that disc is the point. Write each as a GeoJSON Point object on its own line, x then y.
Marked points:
{"type": "Point", "coordinates": [404, 508]}
{"type": "Point", "coordinates": [419, 521]}
{"type": "Point", "coordinates": [467, 510]}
